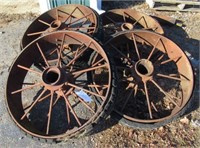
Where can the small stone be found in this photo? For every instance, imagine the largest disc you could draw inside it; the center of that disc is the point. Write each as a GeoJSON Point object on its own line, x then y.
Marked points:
{"type": "Point", "coordinates": [2, 32]}
{"type": "Point", "coordinates": [161, 129]}
{"type": "Point", "coordinates": [185, 120]}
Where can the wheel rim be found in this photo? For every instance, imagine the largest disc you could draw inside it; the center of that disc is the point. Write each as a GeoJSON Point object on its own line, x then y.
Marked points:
{"type": "Point", "coordinates": [128, 19]}
{"type": "Point", "coordinates": [66, 17]}
{"type": "Point", "coordinates": [155, 76]}
{"type": "Point", "coordinates": [57, 72]}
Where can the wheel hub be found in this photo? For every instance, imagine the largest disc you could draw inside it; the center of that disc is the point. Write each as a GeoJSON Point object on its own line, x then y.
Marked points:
{"type": "Point", "coordinates": [144, 68]}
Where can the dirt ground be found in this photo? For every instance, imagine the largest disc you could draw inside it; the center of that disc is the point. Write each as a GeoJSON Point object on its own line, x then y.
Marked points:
{"type": "Point", "coordinates": [184, 132]}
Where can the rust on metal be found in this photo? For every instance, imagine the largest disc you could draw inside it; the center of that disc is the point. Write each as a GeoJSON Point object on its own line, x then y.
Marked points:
{"type": "Point", "coordinates": [66, 17]}
{"type": "Point", "coordinates": [50, 85]}
{"type": "Point", "coordinates": [155, 76]}
{"type": "Point", "coordinates": [167, 20]}
{"type": "Point", "coordinates": [128, 19]}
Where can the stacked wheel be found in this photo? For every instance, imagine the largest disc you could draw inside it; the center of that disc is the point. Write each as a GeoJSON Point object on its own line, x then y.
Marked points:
{"type": "Point", "coordinates": [155, 78]}
{"type": "Point", "coordinates": [52, 89]}
{"type": "Point", "coordinates": [64, 81]}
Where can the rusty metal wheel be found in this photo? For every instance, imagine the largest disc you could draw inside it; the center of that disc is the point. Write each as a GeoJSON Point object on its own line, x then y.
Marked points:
{"type": "Point", "coordinates": [128, 19]}
{"type": "Point", "coordinates": [49, 88]}
{"type": "Point", "coordinates": [66, 17]}
{"type": "Point", "coordinates": [155, 78]}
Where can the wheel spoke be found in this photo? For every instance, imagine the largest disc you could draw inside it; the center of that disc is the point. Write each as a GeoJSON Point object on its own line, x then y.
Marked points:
{"type": "Point", "coordinates": [30, 108]}
{"type": "Point", "coordinates": [154, 107]}
{"type": "Point", "coordinates": [57, 14]}
{"type": "Point", "coordinates": [171, 59]}
{"type": "Point", "coordinates": [135, 44]}
{"type": "Point", "coordinates": [90, 92]}
{"type": "Point", "coordinates": [79, 19]}
{"type": "Point", "coordinates": [49, 113]}
{"type": "Point", "coordinates": [43, 22]}
{"type": "Point", "coordinates": [70, 15]}
{"type": "Point", "coordinates": [154, 48]}
{"type": "Point", "coordinates": [110, 19]}
{"type": "Point", "coordinates": [82, 101]}
{"type": "Point", "coordinates": [80, 53]}
{"type": "Point", "coordinates": [66, 94]}
{"type": "Point", "coordinates": [127, 99]}
{"type": "Point", "coordinates": [95, 85]}
{"type": "Point", "coordinates": [44, 58]}
{"type": "Point", "coordinates": [170, 77]}
{"type": "Point", "coordinates": [147, 98]}
{"type": "Point", "coordinates": [70, 107]}
{"type": "Point", "coordinates": [36, 33]}
{"type": "Point", "coordinates": [61, 49]}
{"type": "Point", "coordinates": [43, 98]}
{"type": "Point", "coordinates": [120, 53]}
{"type": "Point", "coordinates": [26, 88]}
{"type": "Point", "coordinates": [165, 93]}
{"type": "Point", "coordinates": [28, 69]}
{"type": "Point", "coordinates": [81, 28]}
{"type": "Point", "coordinates": [124, 17]}
{"type": "Point", "coordinates": [97, 62]}
{"type": "Point", "coordinates": [89, 69]}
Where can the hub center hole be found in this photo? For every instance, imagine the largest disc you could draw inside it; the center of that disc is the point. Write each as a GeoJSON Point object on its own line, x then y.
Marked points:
{"type": "Point", "coordinates": [142, 69]}
{"type": "Point", "coordinates": [52, 77]}
{"type": "Point", "coordinates": [126, 26]}
{"type": "Point", "coordinates": [55, 24]}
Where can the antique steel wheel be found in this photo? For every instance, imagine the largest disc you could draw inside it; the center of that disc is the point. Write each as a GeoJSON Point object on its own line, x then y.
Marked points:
{"type": "Point", "coordinates": [155, 78]}
{"type": "Point", "coordinates": [66, 17]}
{"type": "Point", "coordinates": [50, 91]}
{"type": "Point", "coordinates": [128, 19]}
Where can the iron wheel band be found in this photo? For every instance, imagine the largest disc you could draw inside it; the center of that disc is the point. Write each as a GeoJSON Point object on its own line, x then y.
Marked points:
{"type": "Point", "coordinates": [155, 78]}
{"type": "Point", "coordinates": [117, 20]}
{"type": "Point", "coordinates": [54, 100]}
{"type": "Point", "coordinates": [66, 17]}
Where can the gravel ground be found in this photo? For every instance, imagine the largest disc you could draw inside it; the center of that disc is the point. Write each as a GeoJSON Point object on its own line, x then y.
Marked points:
{"type": "Point", "coordinates": [184, 132]}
